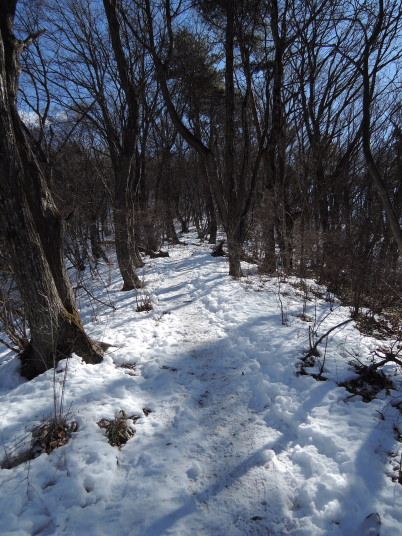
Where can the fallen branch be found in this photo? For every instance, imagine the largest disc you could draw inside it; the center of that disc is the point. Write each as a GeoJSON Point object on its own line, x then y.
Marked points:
{"type": "Point", "coordinates": [313, 350]}
{"type": "Point", "coordinates": [81, 286]}
{"type": "Point", "coordinates": [375, 366]}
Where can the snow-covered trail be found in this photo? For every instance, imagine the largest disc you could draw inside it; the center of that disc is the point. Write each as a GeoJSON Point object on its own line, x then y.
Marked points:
{"type": "Point", "coordinates": [222, 442]}
{"type": "Point", "coordinates": [219, 444]}
{"type": "Point", "coordinates": [249, 447]}
{"type": "Point", "coordinates": [235, 444]}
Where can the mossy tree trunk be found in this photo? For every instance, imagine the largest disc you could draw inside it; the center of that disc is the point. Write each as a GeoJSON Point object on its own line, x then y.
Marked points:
{"type": "Point", "coordinates": [33, 228]}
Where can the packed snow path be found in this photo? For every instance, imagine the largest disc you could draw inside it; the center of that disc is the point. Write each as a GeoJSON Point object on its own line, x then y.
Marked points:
{"type": "Point", "coordinates": [236, 444]}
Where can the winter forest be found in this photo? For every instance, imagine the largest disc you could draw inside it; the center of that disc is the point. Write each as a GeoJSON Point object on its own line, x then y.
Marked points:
{"type": "Point", "coordinates": [200, 267]}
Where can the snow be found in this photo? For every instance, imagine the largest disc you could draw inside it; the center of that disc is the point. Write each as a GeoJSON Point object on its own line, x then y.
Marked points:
{"type": "Point", "coordinates": [235, 444]}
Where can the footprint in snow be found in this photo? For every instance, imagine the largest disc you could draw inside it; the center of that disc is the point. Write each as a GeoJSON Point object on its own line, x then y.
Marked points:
{"type": "Point", "coordinates": [370, 525]}
{"type": "Point", "coordinates": [193, 472]}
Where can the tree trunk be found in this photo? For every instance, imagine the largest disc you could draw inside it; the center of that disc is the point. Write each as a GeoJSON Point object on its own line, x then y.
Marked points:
{"type": "Point", "coordinates": [128, 257]}
{"type": "Point", "coordinates": [268, 265]}
{"type": "Point", "coordinates": [123, 207]}
{"type": "Point", "coordinates": [274, 157]}
{"type": "Point", "coordinates": [234, 253]}
{"type": "Point", "coordinates": [234, 245]}
{"type": "Point", "coordinates": [97, 250]}
{"type": "Point", "coordinates": [33, 228]}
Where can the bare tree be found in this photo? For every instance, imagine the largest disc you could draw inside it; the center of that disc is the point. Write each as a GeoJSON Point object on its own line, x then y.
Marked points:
{"type": "Point", "coordinates": [104, 91]}
{"type": "Point", "coordinates": [32, 226]}
{"type": "Point", "coordinates": [374, 53]}
{"type": "Point", "coordinates": [123, 162]}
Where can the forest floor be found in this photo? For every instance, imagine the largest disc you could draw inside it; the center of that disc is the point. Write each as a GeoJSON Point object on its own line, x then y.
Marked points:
{"type": "Point", "coordinates": [229, 439]}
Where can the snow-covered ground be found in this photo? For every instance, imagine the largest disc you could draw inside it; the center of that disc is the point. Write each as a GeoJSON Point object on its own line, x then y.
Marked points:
{"type": "Point", "coordinates": [236, 443]}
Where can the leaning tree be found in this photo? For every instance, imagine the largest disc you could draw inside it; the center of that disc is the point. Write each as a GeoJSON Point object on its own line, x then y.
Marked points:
{"type": "Point", "coordinates": [31, 225]}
